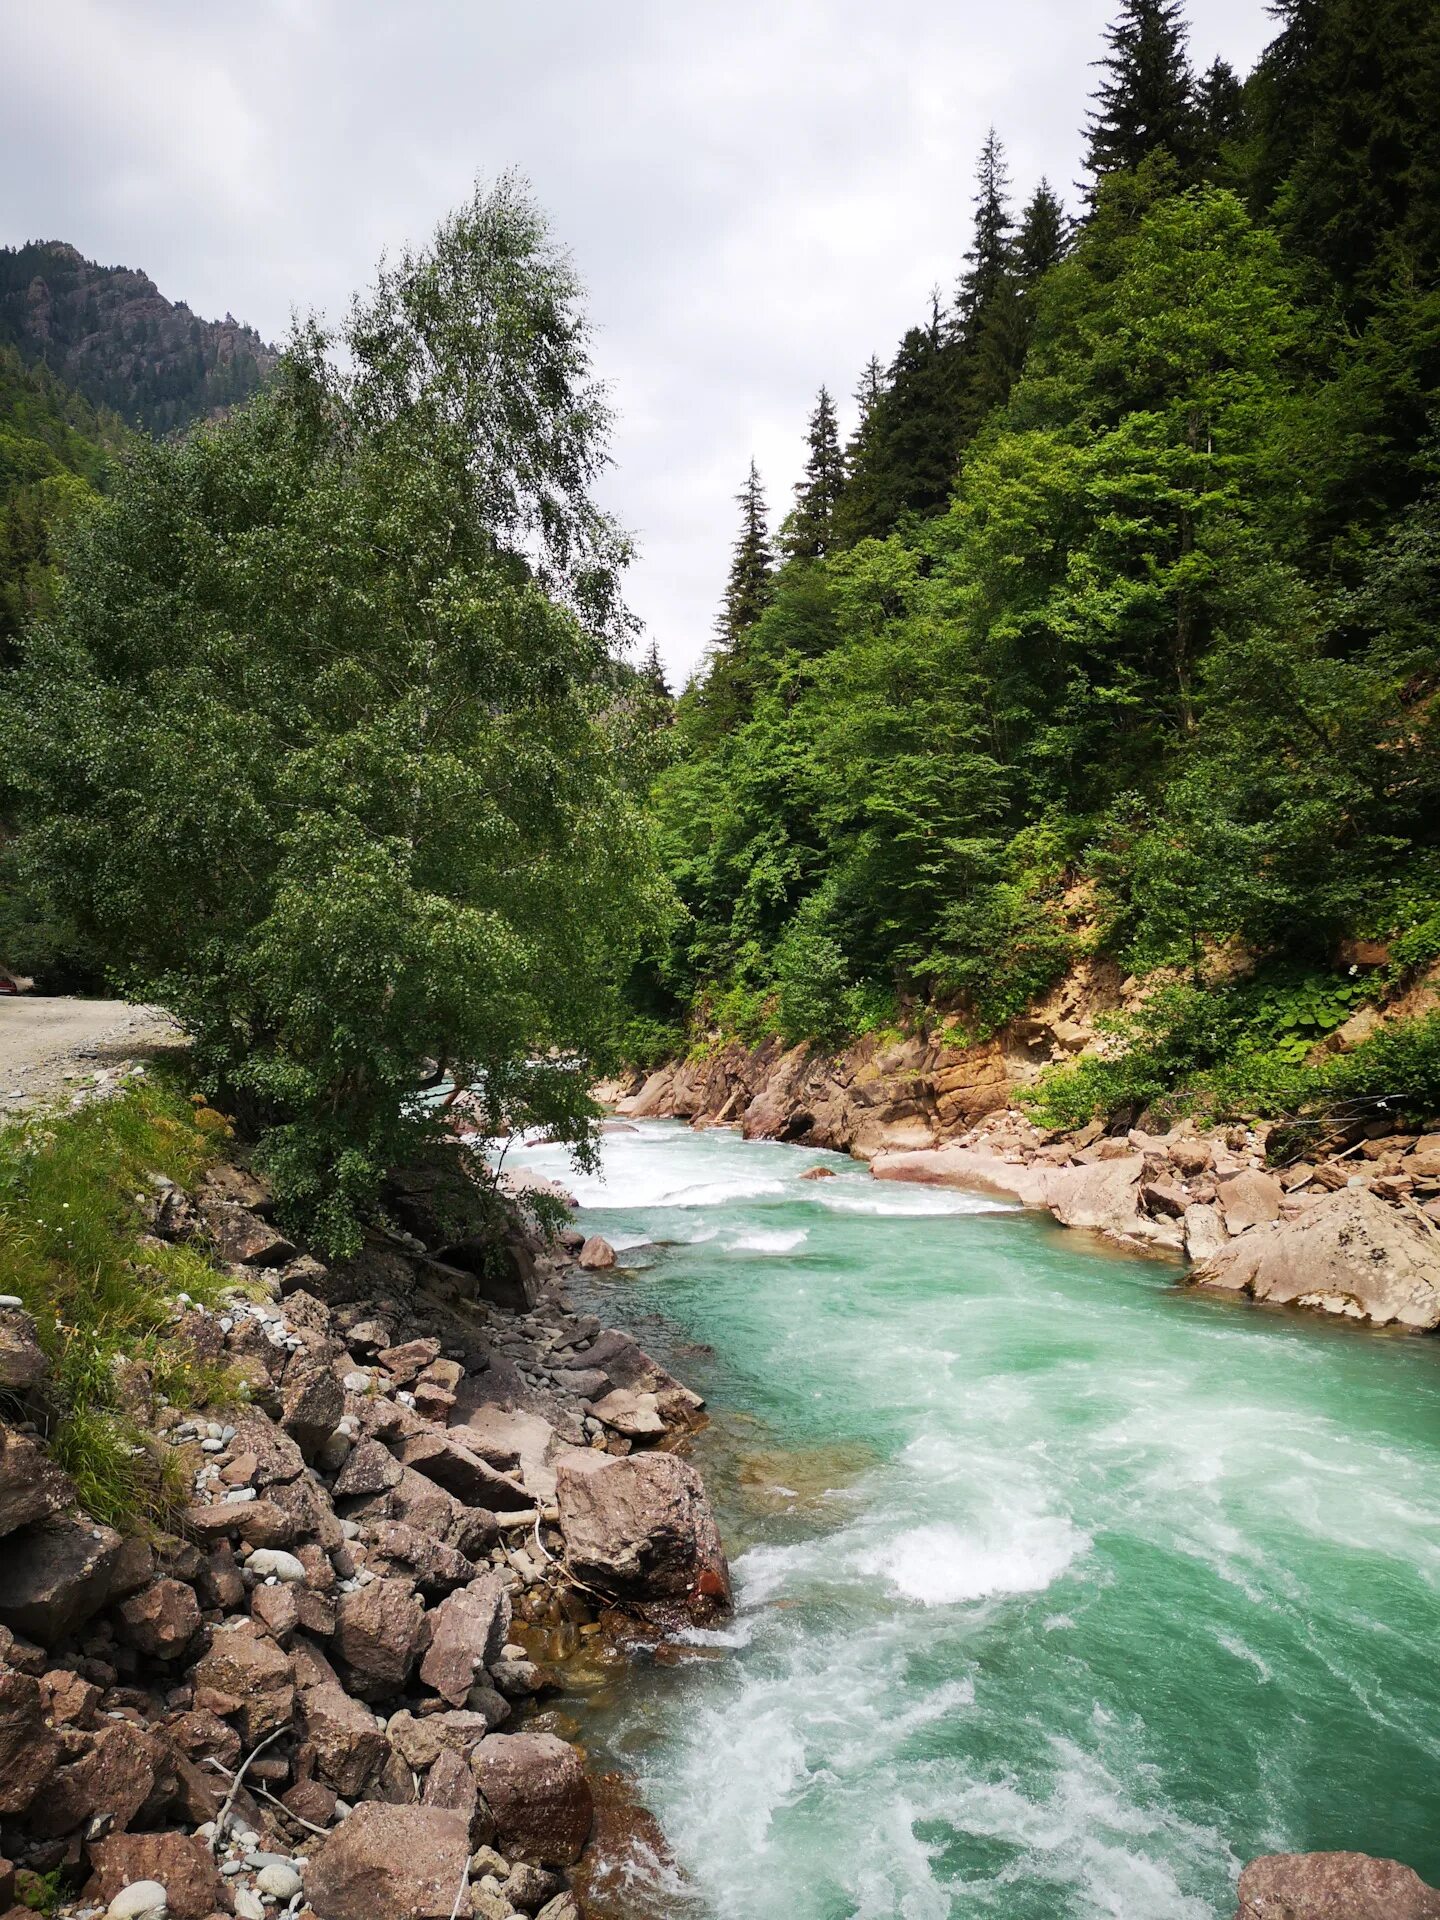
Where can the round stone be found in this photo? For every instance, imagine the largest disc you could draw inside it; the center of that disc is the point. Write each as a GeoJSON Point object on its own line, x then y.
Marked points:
{"type": "Point", "coordinates": [141, 1900]}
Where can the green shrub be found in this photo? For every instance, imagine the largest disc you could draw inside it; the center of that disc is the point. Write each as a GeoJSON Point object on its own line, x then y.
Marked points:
{"type": "Point", "coordinates": [102, 1297]}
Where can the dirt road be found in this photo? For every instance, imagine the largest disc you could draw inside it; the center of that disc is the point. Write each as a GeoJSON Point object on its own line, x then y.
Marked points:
{"type": "Point", "coordinates": [52, 1045]}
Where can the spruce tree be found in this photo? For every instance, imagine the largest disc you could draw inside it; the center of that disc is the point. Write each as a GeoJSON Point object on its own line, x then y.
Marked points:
{"type": "Point", "coordinates": [1043, 236]}
{"type": "Point", "coordinates": [1147, 97]}
{"type": "Point", "coordinates": [990, 260]}
{"type": "Point", "coordinates": [856, 516]}
{"type": "Point", "coordinates": [652, 674]}
{"type": "Point", "coordinates": [752, 563]}
{"type": "Point", "coordinates": [1219, 110]}
{"type": "Point", "coordinates": [811, 534]}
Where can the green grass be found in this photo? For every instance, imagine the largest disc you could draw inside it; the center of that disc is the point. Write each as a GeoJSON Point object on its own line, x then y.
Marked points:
{"type": "Point", "coordinates": [73, 1246]}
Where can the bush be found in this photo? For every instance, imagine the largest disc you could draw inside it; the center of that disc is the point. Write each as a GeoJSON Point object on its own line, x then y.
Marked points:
{"type": "Point", "coordinates": [103, 1297]}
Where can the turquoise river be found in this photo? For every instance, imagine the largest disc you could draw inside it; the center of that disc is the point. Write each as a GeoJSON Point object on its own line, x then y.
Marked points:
{"type": "Point", "coordinates": [1062, 1590]}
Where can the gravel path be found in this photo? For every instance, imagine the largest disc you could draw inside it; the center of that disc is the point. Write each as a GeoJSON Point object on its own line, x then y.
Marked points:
{"type": "Point", "coordinates": [51, 1044]}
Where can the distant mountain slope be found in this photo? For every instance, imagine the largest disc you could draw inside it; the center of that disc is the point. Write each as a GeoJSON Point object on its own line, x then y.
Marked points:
{"type": "Point", "coordinates": [112, 335]}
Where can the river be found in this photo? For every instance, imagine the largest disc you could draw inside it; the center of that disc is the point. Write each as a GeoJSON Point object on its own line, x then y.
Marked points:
{"type": "Point", "coordinates": [1062, 1591]}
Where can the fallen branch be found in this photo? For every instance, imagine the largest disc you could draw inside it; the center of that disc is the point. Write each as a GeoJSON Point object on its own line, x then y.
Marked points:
{"type": "Point", "coordinates": [218, 1835]}
{"type": "Point", "coordinates": [263, 1793]}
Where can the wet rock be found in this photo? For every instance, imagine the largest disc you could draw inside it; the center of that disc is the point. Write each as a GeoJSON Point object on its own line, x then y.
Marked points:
{"type": "Point", "coordinates": [642, 1532]}
{"type": "Point", "coordinates": [1333, 1886]}
{"type": "Point", "coordinates": [818, 1173]}
{"type": "Point", "coordinates": [181, 1865]}
{"type": "Point", "coordinates": [377, 1634]}
{"type": "Point", "coordinates": [1347, 1254]}
{"type": "Point", "coordinates": [162, 1619]}
{"type": "Point", "coordinates": [54, 1575]}
{"type": "Point", "coordinates": [597, 1254]}
{"type": "Point", "coordinates": [535, 1786]}
{"type": "Point", "coordinates": [468, 1631]}
{"type": "Point", "coordinates": [249, 1671]}
{"type": "Point", "coordinates": [405, 1863]}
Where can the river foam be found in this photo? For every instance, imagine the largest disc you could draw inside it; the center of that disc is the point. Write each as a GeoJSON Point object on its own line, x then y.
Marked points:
{"type": "Point", "coordinates": [1119, 1585]}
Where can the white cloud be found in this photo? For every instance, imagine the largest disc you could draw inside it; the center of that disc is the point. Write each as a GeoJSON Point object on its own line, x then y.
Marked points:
{"type": "Point", "coordinates": [759, 193]}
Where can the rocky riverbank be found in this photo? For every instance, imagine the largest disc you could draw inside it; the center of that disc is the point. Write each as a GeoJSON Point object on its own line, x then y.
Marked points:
{"type": "Point", "coordinates": [1349, 1227]}
{"type": "Point", "coordinates": [321, 1691]}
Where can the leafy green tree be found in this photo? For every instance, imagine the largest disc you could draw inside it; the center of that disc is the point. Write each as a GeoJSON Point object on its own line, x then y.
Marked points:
{"type": "Point", "coordinates": [1146, 97]}
{"type": "Point", "coordinates": [310, 744]}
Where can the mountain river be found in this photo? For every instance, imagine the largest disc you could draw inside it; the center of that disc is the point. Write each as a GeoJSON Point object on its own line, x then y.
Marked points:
{"type": "Point", "coordinates": [1061, 1590]}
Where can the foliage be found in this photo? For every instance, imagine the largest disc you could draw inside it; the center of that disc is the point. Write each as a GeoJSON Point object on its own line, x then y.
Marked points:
{"type": "Point", "coordinates": [315, 747]}
{"type": "Point", "coordinates": [73, 1247]}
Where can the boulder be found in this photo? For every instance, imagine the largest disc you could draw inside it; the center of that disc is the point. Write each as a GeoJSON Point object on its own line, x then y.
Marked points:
{"type": "Point", "coordinates": [242, 1238]}
{"type": "Point", "coordinates": [420, 1739]}
{"type": "Point", "coordinates": [161, 1619]}
{"type": "Point", "coordinates": [22, 1363]}
{"type": "Point", "coordinates": [462, 1473]}
{"type": "Point", "coordinates": [54, 1575]}
{"type": "Point", "coordinates": [312, 1402]}
{"type": "Point", "coordinates": [468, 1631]}
{"type": "Point", "coordinates": [1333, 1886]}
{"type": "Point", "coordinates": [29, 1748]}
{"type": "Point", "coordinates": [120, 1772]}
{"type": "Point", "coordinates": [377, 1635]}
{"type": "Point", "coordinates": [247, 1671]}
{"type": "Point", "coordinates": [32, 1487]}
{"type": "Point", "coordinates": [347, 1744]}
{"type": "Point", "coordinates": [1248, 1199]}
{"type": "Point", "coordinates": [641, 1531]}
{"type": "Point", "coordinates": [1347, 1254]}
{"type": "Point", "coordinates": [597, 1254]}
{"type": "Point", "coordinates": [636, 1415]}
{"type": "Point", "coordinates": [182, 1866]}
{"type": "Point", "coordinates": [535, 1786]}
{"type": "Point", "coordinates": [402, 1863]}
{"type": "Point", "coordinates": [369, 1468]}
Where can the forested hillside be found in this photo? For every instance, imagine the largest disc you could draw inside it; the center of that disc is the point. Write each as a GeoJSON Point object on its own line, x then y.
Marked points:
{"type": "Point", "coordinates": [110, 333]}
{"type": "Point", "coordinates": [1112, 628]}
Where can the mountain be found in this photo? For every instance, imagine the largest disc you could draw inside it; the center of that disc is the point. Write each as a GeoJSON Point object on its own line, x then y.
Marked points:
{"type": "Point", "coordinates": [110, 333]}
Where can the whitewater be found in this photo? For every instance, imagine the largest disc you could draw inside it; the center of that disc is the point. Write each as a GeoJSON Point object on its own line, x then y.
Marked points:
{"type": "Point", "coordinates": [1062, 1591]}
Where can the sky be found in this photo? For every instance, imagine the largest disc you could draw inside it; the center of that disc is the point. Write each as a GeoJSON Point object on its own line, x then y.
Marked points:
{"type": "Point", "coordinates": [759, 194]}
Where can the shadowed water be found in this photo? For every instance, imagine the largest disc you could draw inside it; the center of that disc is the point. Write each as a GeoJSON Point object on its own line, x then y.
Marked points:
{"type": "Point", "coordinates": [1062, 1591]}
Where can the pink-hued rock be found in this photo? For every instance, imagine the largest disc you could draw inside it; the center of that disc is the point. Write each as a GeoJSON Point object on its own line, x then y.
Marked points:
{"type": "Point", "coordinates": [390, 1863]}
{"type": "Point", "coordinates": [183, 1866]}
{"type": "Point", "coordinates": [246, 1668]}
{"type": "Point", "coordinates": [54, 1575]}
{"type": "Point", "coordinates": [1333, 1886]}
{"type": "Point", "coordinates": [1347, 1254]}
{"type": "Point", "coordinates": [468, 1631]}
{"type": "Point", "coordinates": [536, 1788]}
{"type": "Point", "coordinates": [377, 1635]}
{"type": "Point", "coordinates": [161, 1619]}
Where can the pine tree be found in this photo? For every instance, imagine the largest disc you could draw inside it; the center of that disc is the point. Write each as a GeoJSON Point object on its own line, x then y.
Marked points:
{"type": "Point", "coordinates": [856, 516]}
{"type": "Point", "coordinates": [990, 260]}
{"type": "Point", "coordinates": [1147, 97]}
{"type": "Point", "coordinates": [1043, 236]}
{"type": "Point", "coordinates": [752, 563]}
{"type": "Point", "coordinates": [811, 534]}
{"type": "Point", "coordinates": [1219, 110]}
{"type": "Point", "coordinates": [652, 673]}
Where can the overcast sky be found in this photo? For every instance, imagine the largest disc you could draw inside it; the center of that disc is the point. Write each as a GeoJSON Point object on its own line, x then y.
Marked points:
{"type": "Point", "coordinates": [759, 193]}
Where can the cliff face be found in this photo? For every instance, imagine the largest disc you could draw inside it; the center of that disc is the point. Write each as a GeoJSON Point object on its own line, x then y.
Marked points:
{"type": "Point", "coordinates": [112, 335]}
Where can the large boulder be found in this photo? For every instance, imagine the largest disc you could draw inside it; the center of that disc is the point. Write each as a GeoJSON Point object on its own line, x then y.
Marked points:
{"type": "Point", "coordinates": [1348, 1254]}
{"type": "Point", "coordinates": [161, 1619]}
{"type": "Point", "coordinates": [1333, 1886]}
{"type": "Point", "coordinates": [641, 1532]}
{"type": "Point", "coordinates": [468, 1631]}
{"type": "Point", "coordinates": [453, 1466]}
{"type": "Point", "coordinates": [535, 1786]}
{"type": "Point", "coordinates": [347, 1745]}
{"type": "Point", "coordinates": [402, 1863]}
{"type": "Point", "coordinates": [54, 1575]}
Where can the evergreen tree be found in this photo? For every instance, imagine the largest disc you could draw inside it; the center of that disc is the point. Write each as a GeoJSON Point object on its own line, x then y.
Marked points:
{"type": "Point", "coordinates": [1219, 111]}
{"type": "Point", "coordinates": [1043, 236]}
{"type": "Point", "coordinates": [856, 514]}
{"type": "Point", "coordinates": [811, 534]}
{"type": "Point", "coordinates": [752, 563]}
{"type": "Point", "coordinates": [1146, 99]}
{"type": "Point", "coordinates": [990, 260]}
{"type": "Point", "coordinates": [652, 673]}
